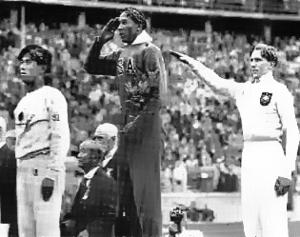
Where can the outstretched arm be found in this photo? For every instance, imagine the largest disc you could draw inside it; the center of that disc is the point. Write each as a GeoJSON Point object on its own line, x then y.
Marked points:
{"type": "Point", "coordinates": [208, 76]}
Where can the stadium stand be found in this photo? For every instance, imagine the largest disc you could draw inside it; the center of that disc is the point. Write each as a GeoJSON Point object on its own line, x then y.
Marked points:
{"type": "Point", "coordinates": [268, 6]}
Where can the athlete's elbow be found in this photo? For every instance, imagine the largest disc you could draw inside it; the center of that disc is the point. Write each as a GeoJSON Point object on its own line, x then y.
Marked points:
{"type": "Point", "coordinates": [88, 67]}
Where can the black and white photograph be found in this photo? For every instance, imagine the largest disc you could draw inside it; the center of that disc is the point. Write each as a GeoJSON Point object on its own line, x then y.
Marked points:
{"type": "Point", "coordinates": [149, 118]}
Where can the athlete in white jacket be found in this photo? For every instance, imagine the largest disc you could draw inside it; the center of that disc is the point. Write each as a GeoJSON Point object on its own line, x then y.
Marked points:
{"type": "Point", "coordinates": [267, 112]}
{"type": "Point", "coordinates": [42, 143]}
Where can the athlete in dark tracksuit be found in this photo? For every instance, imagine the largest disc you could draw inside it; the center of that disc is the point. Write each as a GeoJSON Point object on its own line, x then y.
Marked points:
{"type": "Point", "coordinates": [141, 80]}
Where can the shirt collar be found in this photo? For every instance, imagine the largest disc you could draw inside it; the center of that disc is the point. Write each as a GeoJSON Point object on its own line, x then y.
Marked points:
{"type": "Point", "coordinates": [263, 78]}
{"type": "Point", "coordinates": [143, 37]}
{"type": "Point", "coordinates": [104, 163]}
{"type": "Point", "coordinates": [109, 156]}
{"type": "Point", "coordinates": [2, 144]}
{"type": "Point", "coordinates": [91, 173]}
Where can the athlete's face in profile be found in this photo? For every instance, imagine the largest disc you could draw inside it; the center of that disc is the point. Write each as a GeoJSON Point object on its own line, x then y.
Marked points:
{"type": "Point", "coordinates": [128, 29]}
{"type": "Point", "coordinates": [29, 69]}
{"type": "Point", "coordinates": [259, 65]}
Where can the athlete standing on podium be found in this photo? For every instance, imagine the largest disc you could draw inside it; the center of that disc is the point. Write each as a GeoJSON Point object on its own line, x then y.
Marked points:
{"type": "Point", "coordinates": [267, 113]}
{"type": "Point", "coordinates": [42, 143]}
{"type": "Point", "coordinates": [141, 79]}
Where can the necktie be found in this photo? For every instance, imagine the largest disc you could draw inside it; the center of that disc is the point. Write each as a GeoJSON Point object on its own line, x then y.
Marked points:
{"type": "Point", "coordinates": [85, 191]}
{"type": "Point", "coordinates": [255, 80]}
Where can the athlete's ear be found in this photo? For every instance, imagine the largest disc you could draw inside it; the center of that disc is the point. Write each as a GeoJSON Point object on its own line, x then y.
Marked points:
{"type": "Point", "coordinates": [140, 28]}
{"type": "Point", "coordinates": [43, 68]}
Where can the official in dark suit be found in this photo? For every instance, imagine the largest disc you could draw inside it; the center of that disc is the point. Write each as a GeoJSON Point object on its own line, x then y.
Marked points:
{"type": "Point", "coordinates": [94, 209]}
{"type": "Point", "coordinates": [8, 183]}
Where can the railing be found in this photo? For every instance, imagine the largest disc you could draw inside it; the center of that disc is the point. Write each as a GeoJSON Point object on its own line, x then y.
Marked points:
{"type": "Point", "coordinates": [265, 6]}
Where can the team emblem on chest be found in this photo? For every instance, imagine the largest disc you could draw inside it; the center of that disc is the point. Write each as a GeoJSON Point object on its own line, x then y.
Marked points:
{"type": "Point", "coordinates": [21, 116]}
{"type": "Point", "coordinates": [265, 98]}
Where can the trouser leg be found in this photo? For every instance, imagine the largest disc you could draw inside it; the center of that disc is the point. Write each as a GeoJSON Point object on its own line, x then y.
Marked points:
{"type": "Point", "coordinates": [274, 217]}
{"type": "Point", "coordinates": [25, 192]}
{"type": "Point", "coordinates": [47, 212]}
{"type": "Point", "coordinates": [264, 214]}
{"type": "Point", "coordinates": [249, 213]}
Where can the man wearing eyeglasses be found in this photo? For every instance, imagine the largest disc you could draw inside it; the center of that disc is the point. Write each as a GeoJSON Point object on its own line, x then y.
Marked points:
{"type": "Point", "coordinates": [42, 142]}
{"type": "Point", "coordinates": [106, 135]}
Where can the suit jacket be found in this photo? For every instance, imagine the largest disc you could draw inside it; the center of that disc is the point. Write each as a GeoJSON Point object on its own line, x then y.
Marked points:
{"type": "Point", "coordinates": [8, 186]}
{"type": "Point", "coordinates": [7, 169]}
{"type": "Point", "coordinates": [96, 199]}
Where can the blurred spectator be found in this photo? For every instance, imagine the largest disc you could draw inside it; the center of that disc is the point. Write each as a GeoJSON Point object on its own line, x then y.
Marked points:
{"type": "Point", "coordinates": [8, 169]}
{"type": "Point", "coordinates": [228, 181]}
{"type": "Point", "coordinates": [180, 177]}
{"type": "Point", "coordinates": [166, 178]}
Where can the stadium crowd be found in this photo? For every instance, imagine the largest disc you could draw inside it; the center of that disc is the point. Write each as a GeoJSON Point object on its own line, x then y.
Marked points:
{"type": "Point", "coordinates": [202, 134]}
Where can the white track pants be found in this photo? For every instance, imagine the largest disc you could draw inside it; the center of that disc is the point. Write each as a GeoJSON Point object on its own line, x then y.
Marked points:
{"type": "Point", "coordinates": [264, 214]}
{"type": "Point", "coordinates": [36, 217]}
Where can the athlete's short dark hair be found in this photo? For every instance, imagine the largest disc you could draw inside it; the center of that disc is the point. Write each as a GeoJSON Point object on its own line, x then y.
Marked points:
{"type": "Point", "coordinates": [38, 54]}
{"type": "Point", "coordinates": [268, 52]}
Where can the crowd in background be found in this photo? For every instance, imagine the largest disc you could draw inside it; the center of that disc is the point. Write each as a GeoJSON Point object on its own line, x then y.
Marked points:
{"type": "Point", "coordinates": [202, 134]}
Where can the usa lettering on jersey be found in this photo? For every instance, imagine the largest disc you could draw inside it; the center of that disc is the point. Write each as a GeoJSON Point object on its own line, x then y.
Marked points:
{"type": "Point", "coordinates": [130, 69]}
{"type": "Point", "coordinates": [128, 66]}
